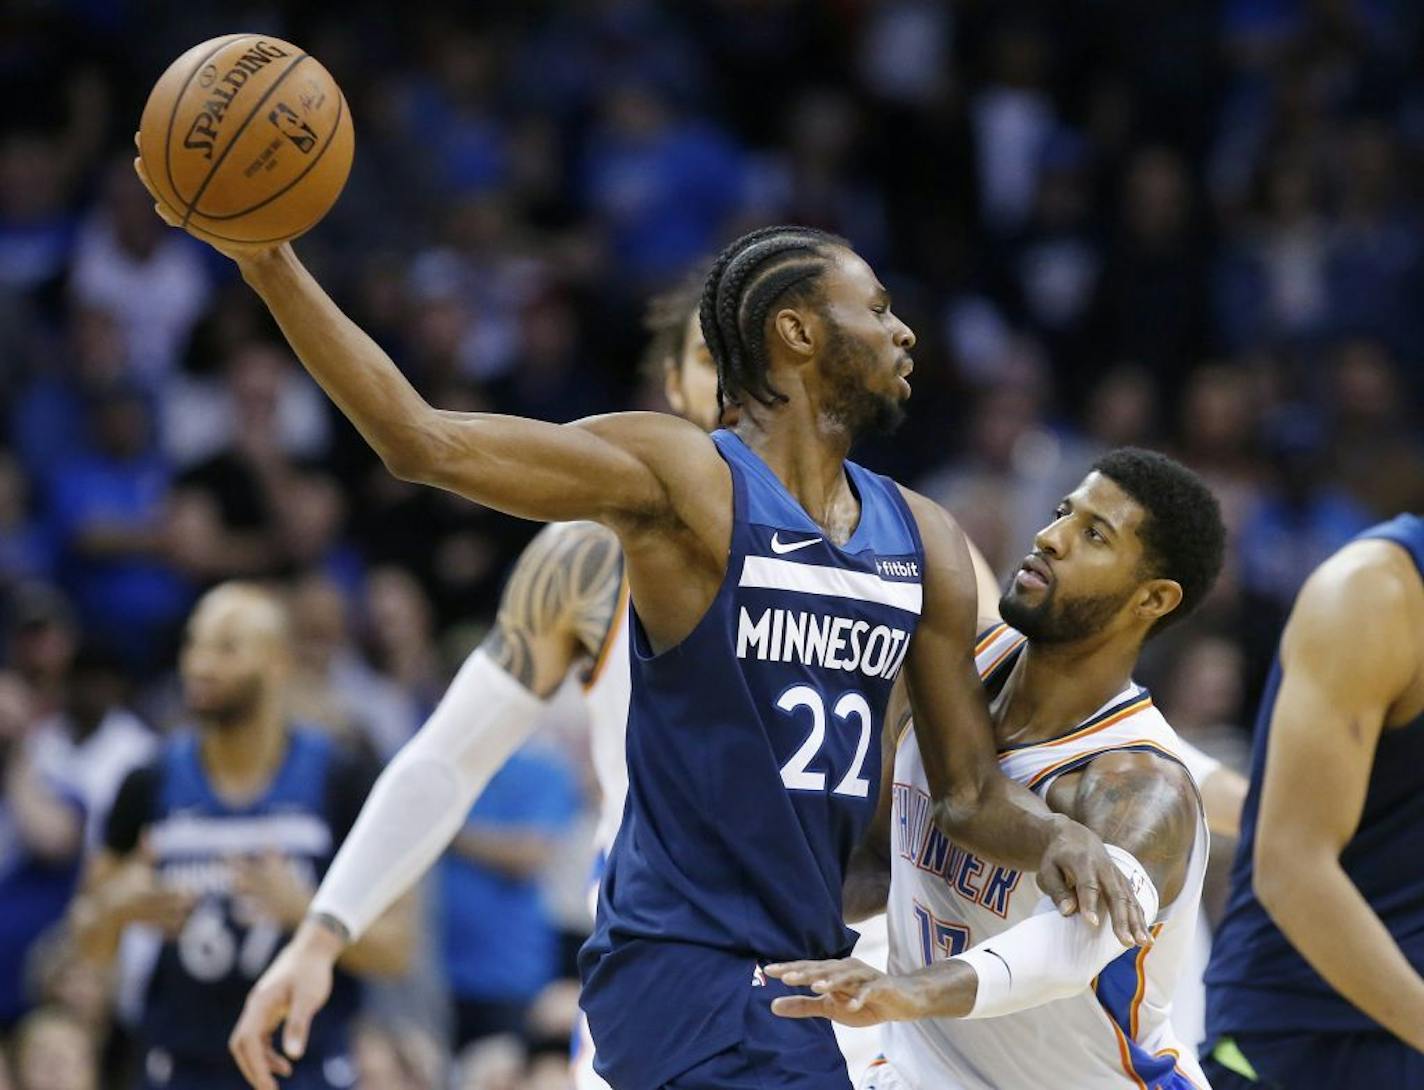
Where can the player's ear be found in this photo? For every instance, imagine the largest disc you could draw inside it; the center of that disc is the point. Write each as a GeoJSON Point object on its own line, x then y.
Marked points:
{"type": "Point", "coordinates": [1157, 598]}
{"type": "Point", "coordinates": [672, 390]}
{"type": "Point", "coordinates": [793, 329]}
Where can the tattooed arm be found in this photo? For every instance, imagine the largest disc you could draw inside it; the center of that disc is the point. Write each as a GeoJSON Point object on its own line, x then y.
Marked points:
{"type": "Point", "coordinates": [558, 604]}
{"type": "Point", "coordinates": [556, 609]}
{"type": "Point", "coordinates": [1143, 806]}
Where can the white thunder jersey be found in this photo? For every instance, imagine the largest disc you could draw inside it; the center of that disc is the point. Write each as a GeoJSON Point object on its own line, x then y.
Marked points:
{"type": "Point", "coordinates": [606, 690]}
{"type": "Point", "coordinates": [1117, 1033]}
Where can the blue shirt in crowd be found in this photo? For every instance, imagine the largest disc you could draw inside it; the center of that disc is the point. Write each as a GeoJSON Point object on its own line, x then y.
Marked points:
{"type": "Point", "coordinates": [500, 941]}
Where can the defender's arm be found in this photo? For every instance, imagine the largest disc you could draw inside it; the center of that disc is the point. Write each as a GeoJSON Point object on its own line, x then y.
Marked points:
{"type": "Point", "coordinates": [1143, 806]}
{"type": "Point", "coordinates": [557, 606]}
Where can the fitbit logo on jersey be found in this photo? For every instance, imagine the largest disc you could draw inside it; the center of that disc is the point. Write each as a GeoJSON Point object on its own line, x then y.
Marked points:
{"type": "Point", "coordinates": [898, 569]}
{"type": "Point", "coordinates": [203, 132]}
{"type": "Point", "coordinates": [835, 643]}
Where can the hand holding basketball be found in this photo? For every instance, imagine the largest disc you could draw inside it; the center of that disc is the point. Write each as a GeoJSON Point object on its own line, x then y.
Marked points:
{"type": "Point", "coordinates": [245, 142]}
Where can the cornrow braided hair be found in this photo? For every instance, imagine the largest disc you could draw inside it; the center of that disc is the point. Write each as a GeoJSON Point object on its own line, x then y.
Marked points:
{"type": "Point", "coordinates": [746, 281]}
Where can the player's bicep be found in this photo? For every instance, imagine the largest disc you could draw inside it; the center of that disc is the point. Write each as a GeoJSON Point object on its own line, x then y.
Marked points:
{"type": "Point", "coordinates": [1147, 805]}
{"type": "Point", "coordinates": [1342, 662]}
{"type": "Point", "coordinates": [951, 716]}
{"type": "Point", "coordinates": [609, 469]}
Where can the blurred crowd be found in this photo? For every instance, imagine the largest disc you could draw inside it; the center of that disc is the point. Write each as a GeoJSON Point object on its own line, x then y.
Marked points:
{"type": "Point", "coordinates": [1186, 225]}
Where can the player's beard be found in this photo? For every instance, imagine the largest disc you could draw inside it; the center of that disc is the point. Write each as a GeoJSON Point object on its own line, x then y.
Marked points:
{"type": "Point", "coordinates": [850, 404]}
{"type": "Point", "coordinates": [233, 708]}
{"type": "Point", "coordinates": [1051, 621]}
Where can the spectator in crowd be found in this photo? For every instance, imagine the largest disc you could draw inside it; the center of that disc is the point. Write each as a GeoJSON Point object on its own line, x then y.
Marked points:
{"type": "Point", "coordinates": [400, 635]}
{"type": "Point", "coordinates": [153, 280]}
{"type": "Point", "coordinates": [25, 551]}
{"type": "Point", "coordinates": [85, 751]}
{"type": "Point", "coordinates": [37, 864]}
{"type": "Point", "coordinates": [395, 1058]}
{"type": "Point", "coordinates": [1153, 295]}
{"type": "Point", "coordinates": [109, 510]}
{"type": "Point", "coordinates": [241, 511]}
{"type": "Point", "coordinates": [334, 687]}
{"type": "Point", "coordinates": [666, 187]}
{"type": "Point", "coordinates": [501, 947]}
{"type": "Point", "coordinates": [49, 417]}
{"type": "Point", "coordinates": [42, 639]}
{"type": "Point", "coordinates": [37, 228]}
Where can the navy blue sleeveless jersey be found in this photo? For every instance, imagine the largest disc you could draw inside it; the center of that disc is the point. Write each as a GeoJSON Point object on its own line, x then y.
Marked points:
{"type": "Point", "coordinates": [753, 768]}
{"type": "Point", "coordinates": [202, 977]}
{"type": "Point", "coordinates": [1257, 982]}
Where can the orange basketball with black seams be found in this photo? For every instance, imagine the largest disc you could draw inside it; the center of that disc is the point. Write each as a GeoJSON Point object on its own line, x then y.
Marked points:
{"type": "Point", "coordinates": [248, 138]}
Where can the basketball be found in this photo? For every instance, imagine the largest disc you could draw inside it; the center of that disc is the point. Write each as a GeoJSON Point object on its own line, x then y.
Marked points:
{"type": "Point", "coordinates": [248, 138]}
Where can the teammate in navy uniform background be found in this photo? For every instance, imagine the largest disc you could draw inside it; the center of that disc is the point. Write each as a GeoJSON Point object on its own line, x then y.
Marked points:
{"type": "Point", "coordinates": [806, 343]}
{"type": "Point", "coordinates": [1317, 972]}
{"type": "Point", "coordinates": [220, 842]}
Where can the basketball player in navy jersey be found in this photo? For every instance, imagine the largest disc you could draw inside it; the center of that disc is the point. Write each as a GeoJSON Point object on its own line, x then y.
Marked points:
{"type": "Point", "coordinates": [219, 844]}
{"type": "Point", "coordinates": [775, 590]}
{"type": "Point", "coordinates": [1317, 973]}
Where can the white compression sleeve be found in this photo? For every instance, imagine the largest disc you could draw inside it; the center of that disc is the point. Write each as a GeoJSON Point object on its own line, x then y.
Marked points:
{"type": "Point", "coordinates": [1049, 956]}
{"type": "Point", "coordinates": [420, 801]}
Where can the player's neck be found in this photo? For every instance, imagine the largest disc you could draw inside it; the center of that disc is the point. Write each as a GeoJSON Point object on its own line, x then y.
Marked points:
{"type": "Point", "coordinates": [805, 451]}
{"type": "Point", "coordinates": [240, 758]}
{"type": "Point", "coordinates": [1054, 687]}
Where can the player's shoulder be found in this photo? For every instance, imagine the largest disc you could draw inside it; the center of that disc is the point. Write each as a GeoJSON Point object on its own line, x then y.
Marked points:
{"type": "Point", "coordinates": [659, 435]}
{"type": "Point", "coordinates": [1369, 589]}
{"type": "Point", "coordinates": [681, 456]}
{"type": "Point", "coordinates": [924, 508]}
{"type": "Point", "coordinates": [943, 540]}
{"type": "Point", "coordinates": [1128, 768]}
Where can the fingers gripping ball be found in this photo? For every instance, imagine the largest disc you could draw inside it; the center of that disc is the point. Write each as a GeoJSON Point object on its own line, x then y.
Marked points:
{"type": "Point", "coordinates": [247, 139]}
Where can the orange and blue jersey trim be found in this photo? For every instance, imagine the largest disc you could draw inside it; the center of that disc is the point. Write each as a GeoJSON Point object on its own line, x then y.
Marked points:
{"type": "Point", "coordinates": [1078, 760]}
{"type": "Point", "coordinates": [1120, 988]}
{"type": "Point", "coordinates": [986, 673]}
{"type": "Point", "coordinates": [1108, 717]}
{"type": "Point", "coordinates": [988, 636]}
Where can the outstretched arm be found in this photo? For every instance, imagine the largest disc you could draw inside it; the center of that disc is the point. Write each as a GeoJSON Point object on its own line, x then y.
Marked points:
{"type": "Point", "coordinates": [1351, 647]}
{"type": "Point", "coordinates": [614, 469]}
{"type": "Point", "coordinates": [1142, 805]}
{"type": "Point", "coordinates": [556, 607]}
{"type": "Point", "coordinates": [975, 803]}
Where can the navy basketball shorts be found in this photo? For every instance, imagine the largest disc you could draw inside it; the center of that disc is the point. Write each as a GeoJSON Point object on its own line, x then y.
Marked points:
{"type": "Point", "coordinates": [774, 1054]}
{"type": "Point", "coordinates": [1314, 1061]}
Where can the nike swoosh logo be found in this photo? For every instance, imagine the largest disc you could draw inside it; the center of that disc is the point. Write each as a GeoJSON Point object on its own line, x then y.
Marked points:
{"type": "Point", "coordinates": [778, 546]}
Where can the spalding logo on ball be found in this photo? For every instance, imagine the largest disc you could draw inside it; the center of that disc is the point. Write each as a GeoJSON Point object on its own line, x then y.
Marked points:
{"type": "Point", "coordinates": [248, 138]}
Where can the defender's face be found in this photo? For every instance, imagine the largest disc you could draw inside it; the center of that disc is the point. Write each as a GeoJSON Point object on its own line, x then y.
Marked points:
{"type": "Point", "coordinates": [691, 383]}
{"type": "Point", "coordinates": [877, 342]}
{"type": "Point", "coordinates": [1084, 569]}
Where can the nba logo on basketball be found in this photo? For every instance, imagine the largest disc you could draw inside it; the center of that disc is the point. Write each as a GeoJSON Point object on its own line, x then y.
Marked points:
{"type": "Point", "coordinates": [293, 128]}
